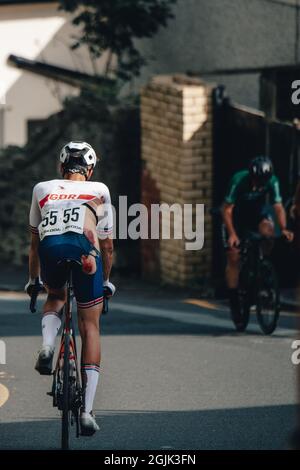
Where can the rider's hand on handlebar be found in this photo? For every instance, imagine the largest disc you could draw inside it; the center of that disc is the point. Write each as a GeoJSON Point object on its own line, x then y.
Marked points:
{"type": "Point", "coordinates": [233, 241]}
{"type": "Point", "coordinates": [34, 285]}
{"type": "Point", "coordinates": [108, 288]}
{"type": "Point", "coordinates": [288, 235]}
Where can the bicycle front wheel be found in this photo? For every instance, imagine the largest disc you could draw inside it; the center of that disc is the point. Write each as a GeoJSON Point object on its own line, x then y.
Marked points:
{"type": "Point", "coordinates": [66, 395]}
{"type": "Point", "coordinates": [268, 302]}
{"type": "Point", "coordinates": [241, 313]}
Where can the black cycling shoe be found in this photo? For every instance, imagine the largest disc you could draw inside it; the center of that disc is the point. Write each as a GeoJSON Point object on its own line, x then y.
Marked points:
{"type": "Point", "coordinates": [44, 362]}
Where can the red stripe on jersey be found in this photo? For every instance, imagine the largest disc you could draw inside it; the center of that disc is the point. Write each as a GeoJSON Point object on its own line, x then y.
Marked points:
{"type": "Point", "coordinates": [43, 201]}
{"type": "Point", "coordinates": [88, 197]}
{"type": "Point", "coordinates": [65, 197]}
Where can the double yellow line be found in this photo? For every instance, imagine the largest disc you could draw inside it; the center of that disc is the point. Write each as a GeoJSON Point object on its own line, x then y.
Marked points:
{"type": "Point", "coordinates": [4, 395]}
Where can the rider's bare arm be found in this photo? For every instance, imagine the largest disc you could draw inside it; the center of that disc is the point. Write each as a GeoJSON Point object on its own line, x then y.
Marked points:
{"type": "Point", "coordinates": [281, 219]}
{"type": "Point", "coordinates": [228, 218]}
{"type": "Point", "coordinates": [34, 261]}
{"type": "Point", "coordinates": [280, 215]}
{"type": "Point", "coordinates": [34, 220]}
{"type": "Point", "coordinates": [106, 248]}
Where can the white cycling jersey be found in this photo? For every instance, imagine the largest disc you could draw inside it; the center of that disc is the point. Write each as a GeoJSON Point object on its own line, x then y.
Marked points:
{"type": "Point", "coordinates": [60, 206]}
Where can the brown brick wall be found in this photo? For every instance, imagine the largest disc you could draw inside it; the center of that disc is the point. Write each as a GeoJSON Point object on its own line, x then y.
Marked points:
{"type": "Point", "coordinates": [150, 249]}
{"type": "Point", "coordinates": [176, 120]}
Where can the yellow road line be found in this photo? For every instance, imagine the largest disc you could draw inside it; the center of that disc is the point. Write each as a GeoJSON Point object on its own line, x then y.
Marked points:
{"type": "Point", "coordinates": [205, 304]}
{"type": "Point", "coordinates": [213, 306]}
{"type": "Point", "coordinates": [4, 394]}
{"type": "Point", "coordinates": [12, 295]}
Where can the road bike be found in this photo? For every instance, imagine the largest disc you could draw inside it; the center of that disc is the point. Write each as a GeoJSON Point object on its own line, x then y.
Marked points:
{"type": "Point", "coordinates": [67, 391]}
{"type": "Point", "coordinates": [258, 285]}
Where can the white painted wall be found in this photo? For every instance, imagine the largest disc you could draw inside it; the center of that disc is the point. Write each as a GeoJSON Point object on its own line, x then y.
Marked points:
{"type": "Point", "coordinates": [40, 32]}
{"type": "Point", "coordinates": [205, 35]}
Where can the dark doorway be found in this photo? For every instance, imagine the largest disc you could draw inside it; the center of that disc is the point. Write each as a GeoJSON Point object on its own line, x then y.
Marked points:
{"type": "Point", "coordinates": [240, 134]}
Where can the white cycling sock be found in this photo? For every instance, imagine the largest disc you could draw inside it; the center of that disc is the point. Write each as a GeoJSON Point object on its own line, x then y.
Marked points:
{"type": "Point", "coordinates": [50, 326]}
{"type": "Point", "coordinates": [90, 377]}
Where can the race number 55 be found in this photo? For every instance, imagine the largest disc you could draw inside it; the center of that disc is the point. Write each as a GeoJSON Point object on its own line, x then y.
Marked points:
{"type": "Point", "coordinates": [71, 214]}
{"type": "Point", "coordinates": [50, 218]}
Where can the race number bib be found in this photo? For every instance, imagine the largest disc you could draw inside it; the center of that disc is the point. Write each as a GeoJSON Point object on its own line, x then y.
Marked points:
{"type": "Point", "coordinates": [62, 220]}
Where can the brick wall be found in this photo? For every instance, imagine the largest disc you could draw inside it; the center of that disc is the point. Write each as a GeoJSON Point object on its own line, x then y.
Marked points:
{"type": "Point", "coordinates": [150, 249]}
{"type": "Point", "coordinates": [176, 121]}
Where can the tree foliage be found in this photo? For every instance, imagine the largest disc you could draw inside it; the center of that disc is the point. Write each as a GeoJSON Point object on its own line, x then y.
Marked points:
{"type": "Point", "coordinates": [112, 26]}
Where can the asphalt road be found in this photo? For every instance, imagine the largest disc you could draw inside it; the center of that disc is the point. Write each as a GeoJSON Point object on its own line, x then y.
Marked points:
{"type": "Point", "coordinates": [174, 375]}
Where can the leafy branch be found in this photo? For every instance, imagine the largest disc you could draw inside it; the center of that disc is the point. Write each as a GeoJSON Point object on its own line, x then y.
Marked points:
{"type": "Point", "coordinates": [111, 27]}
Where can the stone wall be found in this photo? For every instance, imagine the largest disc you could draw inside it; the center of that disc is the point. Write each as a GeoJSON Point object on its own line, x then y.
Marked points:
{"type": "Point", "coordinates": [176, 119]}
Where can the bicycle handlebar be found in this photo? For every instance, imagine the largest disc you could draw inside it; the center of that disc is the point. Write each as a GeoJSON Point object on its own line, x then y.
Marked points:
{"type": "Point", "coordinates": [35, 293]}
{"type": "Point", "coordinates": [257, 237]}
{"type": "Point", "coordinates": [106, 296]}
{"type": "Point", "coordinates": [105, 305]}
{"type": "Point", "coordinates": [36, 289]}
{"type": "Point", "coordinates": [33, 298]}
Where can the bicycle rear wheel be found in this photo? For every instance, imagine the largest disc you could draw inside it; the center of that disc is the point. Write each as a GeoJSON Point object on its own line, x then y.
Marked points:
{"type": "Point", "coordinates": [66, 395]}
{"type": "Point", "coordinates": [268, 302]}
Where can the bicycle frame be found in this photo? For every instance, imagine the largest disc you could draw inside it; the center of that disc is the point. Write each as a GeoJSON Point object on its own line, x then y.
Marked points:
{"type": "Point", "coordinates": [68, 329]}
{"type": "Point", "coordinates": [251, 247]}
{"type": "Point", "coordinates": [67, 357]}
{"type": "Point", "coordinates": [252, 252]}
{"type": "Point", "coordinates": [253, 265]}
{"type": "Point", "coordinates": [67, 389]}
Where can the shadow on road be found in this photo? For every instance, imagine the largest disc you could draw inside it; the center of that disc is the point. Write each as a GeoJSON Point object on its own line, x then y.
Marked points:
{"type": "Point", "coordinates": [242, 428]}
{"type": "Point", "coordinates": [118, 322]}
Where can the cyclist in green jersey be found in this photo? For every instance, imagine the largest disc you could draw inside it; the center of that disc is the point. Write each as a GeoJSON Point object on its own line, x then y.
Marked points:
{"type": "Point", "coordinates": [247, 208]}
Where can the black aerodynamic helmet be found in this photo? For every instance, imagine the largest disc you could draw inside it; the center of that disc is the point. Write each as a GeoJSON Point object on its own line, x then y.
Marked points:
{"type": "Point", "coordinates": [77, 157]}
{"type": "Point", "coordinates": [261, 169]}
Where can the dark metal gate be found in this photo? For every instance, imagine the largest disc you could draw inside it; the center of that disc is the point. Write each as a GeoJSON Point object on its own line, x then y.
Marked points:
{"type": "Point", "coordinates": [240, 134]}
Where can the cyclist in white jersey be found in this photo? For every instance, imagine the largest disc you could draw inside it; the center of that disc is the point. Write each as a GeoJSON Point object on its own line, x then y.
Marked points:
{"type": "Point", "coordinates": [72, 218]}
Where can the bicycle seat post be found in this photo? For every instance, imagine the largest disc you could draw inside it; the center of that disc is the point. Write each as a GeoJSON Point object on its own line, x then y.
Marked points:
{"type": "Point", "coordinates": [69, 264]}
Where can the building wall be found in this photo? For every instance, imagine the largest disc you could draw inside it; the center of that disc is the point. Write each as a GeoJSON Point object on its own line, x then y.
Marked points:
{"type": "Point", "coordinates": [177, 151]}
{"type": "Point", "coordinates": [205, 35]}
{"type": "Point", "coordinates": [223, 34]}
{"type": "Point", "coordinates": [38, 32]}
